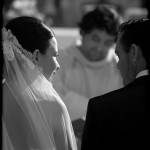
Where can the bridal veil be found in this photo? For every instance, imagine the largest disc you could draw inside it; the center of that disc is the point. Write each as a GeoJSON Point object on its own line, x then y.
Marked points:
{"type": "Point", "coordinates": [34, 116]}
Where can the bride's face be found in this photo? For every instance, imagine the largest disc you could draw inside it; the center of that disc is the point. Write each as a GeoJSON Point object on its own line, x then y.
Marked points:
{"type": "Point", "coordinates": [48, 61]}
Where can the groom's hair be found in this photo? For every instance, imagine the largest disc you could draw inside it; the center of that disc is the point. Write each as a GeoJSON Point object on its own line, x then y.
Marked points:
{"type": "Point", "coordinates": [136, 32]}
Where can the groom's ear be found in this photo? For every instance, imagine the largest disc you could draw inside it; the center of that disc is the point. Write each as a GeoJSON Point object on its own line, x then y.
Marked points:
{"type": "Point", "coordinates": [36, 56]}
{"type": "Point", "coordinates": [134, 52]}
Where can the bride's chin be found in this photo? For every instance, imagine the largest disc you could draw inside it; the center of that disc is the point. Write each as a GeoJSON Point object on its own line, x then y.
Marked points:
{"type": "Point", "coordinates": [51, 76]}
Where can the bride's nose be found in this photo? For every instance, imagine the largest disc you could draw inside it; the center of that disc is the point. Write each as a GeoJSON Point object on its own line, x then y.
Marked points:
{"type": "Point", "coordinates": [57, 66]}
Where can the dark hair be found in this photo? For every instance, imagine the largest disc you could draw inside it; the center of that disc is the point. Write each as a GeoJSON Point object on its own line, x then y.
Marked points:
{"type": "Point", "coordinates": [102, 17]}
{"type": "Point", "coordinates": [136, 32]}
{"type": "Point", "coordinates": [30, 32]}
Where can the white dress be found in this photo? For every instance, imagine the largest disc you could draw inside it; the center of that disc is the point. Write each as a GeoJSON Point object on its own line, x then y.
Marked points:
{"type": "Point", "coordinates": [34, 116]}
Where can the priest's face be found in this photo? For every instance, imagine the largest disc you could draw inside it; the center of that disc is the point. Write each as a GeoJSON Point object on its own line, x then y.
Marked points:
{"type": "Point", "coordinates": [96, 44]}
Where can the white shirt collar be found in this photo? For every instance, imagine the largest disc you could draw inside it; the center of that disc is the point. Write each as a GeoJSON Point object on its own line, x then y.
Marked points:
{"type": "Point", "coordinates": [142, 73]}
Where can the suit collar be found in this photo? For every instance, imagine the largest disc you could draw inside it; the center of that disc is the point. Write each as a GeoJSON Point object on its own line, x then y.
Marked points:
{"type": "Point", "coordinates": [142, 73]}
{"type": "Point", "coordinates": [140, 81]}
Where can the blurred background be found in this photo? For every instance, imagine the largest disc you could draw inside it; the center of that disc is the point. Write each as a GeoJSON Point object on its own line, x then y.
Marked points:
{"type": "Point", "coordinates": [63, 15]}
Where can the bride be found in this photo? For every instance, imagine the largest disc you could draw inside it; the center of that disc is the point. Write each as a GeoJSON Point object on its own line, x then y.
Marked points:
{"type": "Point", "coordinates": [34, 116]}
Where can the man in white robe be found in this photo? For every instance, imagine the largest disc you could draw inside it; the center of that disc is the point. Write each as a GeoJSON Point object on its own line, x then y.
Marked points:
{"type": "Point", "coordinates": [88, 67]}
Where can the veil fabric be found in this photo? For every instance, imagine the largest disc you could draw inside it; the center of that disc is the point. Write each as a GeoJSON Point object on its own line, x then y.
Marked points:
{"type": "Point", "coordinates": [34, 116]}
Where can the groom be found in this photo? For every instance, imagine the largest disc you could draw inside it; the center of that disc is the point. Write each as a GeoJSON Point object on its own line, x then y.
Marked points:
{"type": "Point", "coordinates": [120, 119]}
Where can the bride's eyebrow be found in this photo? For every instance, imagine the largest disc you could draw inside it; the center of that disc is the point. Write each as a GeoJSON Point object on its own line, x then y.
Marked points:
{"type": "Point", "coordinates": [116, 51]}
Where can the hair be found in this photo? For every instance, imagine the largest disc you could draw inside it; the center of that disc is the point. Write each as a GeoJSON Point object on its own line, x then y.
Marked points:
{"type": "Point", "coordinates": [136, 32]}
{"type": "Point", "coordinates": [103, 17]}
{"type": "Point", "coordinates": [31, 33]}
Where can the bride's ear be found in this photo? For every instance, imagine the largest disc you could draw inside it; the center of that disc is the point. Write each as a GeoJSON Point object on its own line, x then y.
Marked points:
{"type": "Point", "coordinates": [36, 56]}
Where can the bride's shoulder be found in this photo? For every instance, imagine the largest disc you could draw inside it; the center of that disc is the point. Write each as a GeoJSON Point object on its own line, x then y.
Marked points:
{"type": "Point", "coordinates": [51, 104]}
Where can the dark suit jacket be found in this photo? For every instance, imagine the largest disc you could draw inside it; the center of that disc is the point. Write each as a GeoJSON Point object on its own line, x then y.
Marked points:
{"type": "Point", "coordinates": [119, 119]}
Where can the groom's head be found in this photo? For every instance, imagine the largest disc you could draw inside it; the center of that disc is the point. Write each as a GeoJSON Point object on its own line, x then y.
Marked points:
{"type": "Point", "coordinates": [133, 48]}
